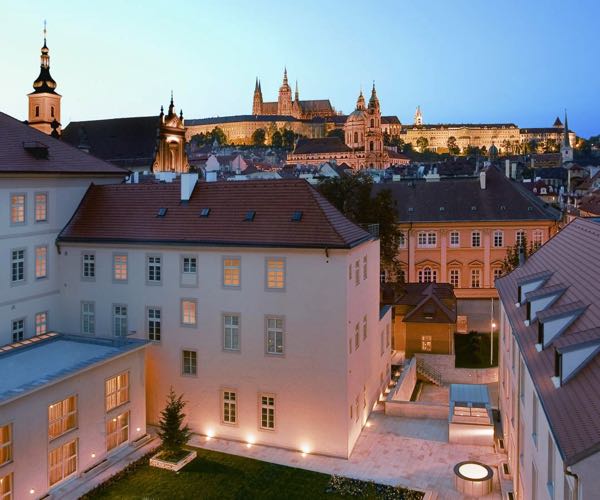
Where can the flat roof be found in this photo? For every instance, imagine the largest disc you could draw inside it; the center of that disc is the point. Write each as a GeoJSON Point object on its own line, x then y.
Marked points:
{"type": "Point", "coordinates": [469, 393]}
{"type": "Point", "coordinates": [34, 363]}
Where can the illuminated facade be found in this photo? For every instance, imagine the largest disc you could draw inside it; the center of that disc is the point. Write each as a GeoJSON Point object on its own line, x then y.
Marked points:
{"type": "Point", "coordinates": [170, 154]}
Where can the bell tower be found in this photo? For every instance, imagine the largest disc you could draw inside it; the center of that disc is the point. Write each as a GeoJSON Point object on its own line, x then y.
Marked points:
{"type": "Point", "coordinates": [284, 102]}
{"type": "Point", "coordinates": [44, 101]}
{"type": "Point", "coordinates": [566, 150]}
{"type": "Point", "coordinates": [374, 154]}
{"type": "Point", "coordinates": [170, 154]}
{"type": "Point", "coordinates": [418, 116]}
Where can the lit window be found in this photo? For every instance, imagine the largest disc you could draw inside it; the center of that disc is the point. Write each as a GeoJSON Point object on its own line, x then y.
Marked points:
{"type": "Point", "coordinates": [231, 332]}
{"type": "Point", "coordinates": [6, 491]}
{"type": "Point", "coordinates": [426, 343]}
{"type": "Point", "coordinates": [275, 273]}
{"type": "Point", "coordinates": [5, 444]}
{"type": "Point", "coordinates": [356, 336]}
{"type": "Point", "coordinates": [41, 323]}
{"type": "Point", "coordinates": [520, 238]}
{"type": "Point", "coordinates": [17, 261]}
{"type": "Point", "coordinates": [231, 272]}
{"type": "Point", "coordinates": [120, 267]}
{"type": "Point", "coordinates": [498, 239]}
{"type": "Point", "coordinates": [41, 268]}
{"type": "Point", "coordinates": [190, 265]}
{"type": "Point", "coordinates": [41, 207]}
{"type": "Point", "coordinates": [189, 362]}
{"type": "Point", "coordinates": [62, 417]}
{"type": "Point", "coordinates": [476, 239]}
{"type": "Point", "coordinates": [365, 328]}
{"type": "Point", "coordinates": [120, 320]}
{"type": "Point", "coordinates": [267, 411]}
{"type": "Point", "coordinates": [357, 273]}
{"type": "Point", "coordinates": [117, 430]}
{"type": "Point", "coordinates": [62, 462]}
{"type": "Point", "coordinates": [274, 335]}
{"type": "Point", "coordinates": [454, 239]}
{"type": "Point", "coordinates": [18, 330]}
{"type": "Point", "coordinates": [188, 312]}
{"type": "Point", "coordinates": [88, 266]}
{"type": "Point", "coordinates": [229, 407]}
{"type": "Point", "coordinates": [475, 278]}
{"type": "Point", "coordinates": [116, 391]}
{"type": "Point", "coordinates": [365, 267]}
{"type": "Point", "coordinates": [17, 209]}
{"type": "Point", "coordinates": [455, 277]}
{"type": "Point", "coordinates": [154, 266]}
{"type": "Point", "coordinates": [88, 318]}
{"type": "Point", "coordinates": [154, 323]}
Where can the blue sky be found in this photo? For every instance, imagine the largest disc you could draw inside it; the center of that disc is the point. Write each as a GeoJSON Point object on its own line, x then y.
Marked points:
{"type": "Point", "coordinates": [462, 60]}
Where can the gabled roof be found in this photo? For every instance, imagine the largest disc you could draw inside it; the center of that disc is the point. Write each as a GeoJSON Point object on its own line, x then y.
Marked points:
{"type": "Point", "coordinates": [126, 142]}
{"type": "Point", "coordinates": [316, 106]}
{"type": "Point", "coordinates": [127, 213]}
{"type": "Point", "coordinates": [323, 145]}
{"type": "Point", "coordinates": [572, 409]}
{"type": "Point", "coordinates": [216, 120]}
{"type": "Point", "coordinates": [428, 302]}
{"type": "Point", "coordinates": [23, 150]}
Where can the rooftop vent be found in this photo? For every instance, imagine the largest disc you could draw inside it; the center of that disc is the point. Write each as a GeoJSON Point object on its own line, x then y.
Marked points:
{"type": "Point", "coordinates": [297, 216]}
{"type": "Point", "coordinates": [250, 214]}
{"type": "Point", "coordinates": [161, 212]}
{"type": "Point", "coordinates": [205, 212]}
{"type": "Point", "coordinates": [36, 149]}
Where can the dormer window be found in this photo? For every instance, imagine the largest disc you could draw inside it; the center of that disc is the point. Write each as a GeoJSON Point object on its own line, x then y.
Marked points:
{"type": "Point", "coordinates": [531, 282]}
{"type": "Point", "coordinates": [557, 319]}
{"type": "Point", "coordinates": [542, 298]}
{"type": "Point", "coordinates": [571, 358]}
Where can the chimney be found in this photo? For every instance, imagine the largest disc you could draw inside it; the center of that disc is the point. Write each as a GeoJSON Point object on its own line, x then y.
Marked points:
{"type": "Point", "coordinates": [513, 170]}
{"type": "Point", "coordinates": [482, 179]}
{"type": "Point", "coordinates": [188, 182]}
{"type": "Point", "coordinates": [507, 167]}
{"type": "Point", "coordinates": [211, 176]}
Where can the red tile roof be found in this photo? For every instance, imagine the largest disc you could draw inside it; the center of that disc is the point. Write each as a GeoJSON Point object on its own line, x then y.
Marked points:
{"type": "Point", "coordinates": [573, 410]}
{"type": "Point", "coordinates": [57, 158]}
{"type": "Point", "coordinates": [128, 213]}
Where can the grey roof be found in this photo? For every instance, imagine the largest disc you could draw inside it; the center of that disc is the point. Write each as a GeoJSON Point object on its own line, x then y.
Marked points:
{"type": "Point", "coordinates": [469, 393]}
{"type": "Point", "coordinates": [240, 118]}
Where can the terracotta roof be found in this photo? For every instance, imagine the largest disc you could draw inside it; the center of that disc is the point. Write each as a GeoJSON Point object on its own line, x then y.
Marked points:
{"type": "Point", "coordinates": [24, 149]}
{"type": "Point", "coordinates": [394, 120]}
{"type": "Point", "coordinates": [429, 302]}
{"type": "Point", "coordinates": [126, 142]}
{"type": "Point", "coordinates": [462, 199]}
{"type": "Point", "coordinates": [574, 408]}
{"type": "Point", "coordinates": [128, 213]}
{"type": "Point", "coordinates": [323, 145]}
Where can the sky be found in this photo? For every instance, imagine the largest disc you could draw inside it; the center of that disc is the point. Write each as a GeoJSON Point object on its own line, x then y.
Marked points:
{"type": "Point", "coordinates": [475, 61]}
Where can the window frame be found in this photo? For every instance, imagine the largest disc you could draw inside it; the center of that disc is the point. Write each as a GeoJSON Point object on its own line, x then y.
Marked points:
{"type": "Point", "coordinates": [450, 236]}
{"type": "Point", "coordinates": [188, 279]}
{"type": "Point", "coordinates": [37, 324]}
{"type": "Point", "coordinates": [154, 320]}
{"type": "Point", "coordinates": [475, 270]}
{"type": "Point", "coordinates": [225, 268]}
{"type": "Point", "coordinates": [498, 237]}
{"type": "Point", "coordinates": [427, 343]}
{"type": "Point", "coordinates": [276, 318]}
{"type": "Point", "coordinates": [63, 460]}
{"type": "Point", "coordinates": [454, 271]}
{"type": "Point", "coordinates": [114, 319]}
{"type": "Point", "coordinates": [8, 445]}
{"type": "Point", "coordinates": [4, 480]}
{"type": "Point", "coordinates": [36, 205]}
{"type": "Point", "coordinates": [44, 262]}
{"type": "Point", "coordinates": [232, 403]}
{"type": "Point", "coordinates": [118, 431]}
{"type": "Point", "coordinates": [11, 208]}
{"type": "Point", "coordinates": [283, 270]}
{"type": "Point", "coordinates": [266, 406]}
{"type": "Point", "coordinates": [93, 316]}
{"type": "Point", "coordinates": [22, 319]}
{"type": "Point", "coordinates": [23, 280]}
{"type": "Point", "coordinates": [156, 266]}
{"type": "Point", "coordinates": [183, 300]}
{"type": "Point", "coordinates": [84, 254]}
{"type": "Point", "coordinates": [224, 327]}
{"type": "Point", "coordinates": [63, 418]}
{"type": "Point", "coordinates": [114, 267]}
{"type": "Point", "coordinates": [119, 390]}
{"type": "Point", "coordinates": [192, 362]}
{"type": "Point", "coordinates": [476, 234]}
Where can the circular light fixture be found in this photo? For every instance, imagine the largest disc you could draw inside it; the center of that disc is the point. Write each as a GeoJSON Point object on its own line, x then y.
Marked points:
{"type": "Point", "coordinates": [473, 478]}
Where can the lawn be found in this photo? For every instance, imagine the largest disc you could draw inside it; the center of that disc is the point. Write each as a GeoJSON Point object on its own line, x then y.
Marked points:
{"type": "Point", "coordinates": [219, 475]}
{"type": "Point", "coordinates": [473, 350]}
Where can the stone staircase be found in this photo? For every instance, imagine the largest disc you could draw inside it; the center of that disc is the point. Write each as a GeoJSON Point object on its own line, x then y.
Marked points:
{"type": "Point", "coordinates": [429, 373]}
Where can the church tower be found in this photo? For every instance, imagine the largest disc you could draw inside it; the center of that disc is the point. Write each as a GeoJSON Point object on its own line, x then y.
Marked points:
{"type": "Point", "coordinates": [170, 154]}
{"type": "Point", "coordinates": [566, 151]}
{"type": "Point", "coordinates": [296, 107]}
{"type": "Point", "coordinates": [284, 102]}
{"type": "Point", "coordinates": [258, 100]}
{"type": "Point", "coordinates": [374, 153]}
{"type": "Point", "coordinates": [418, 116]}
{"type": "Point", "coordinates": [44, 101]}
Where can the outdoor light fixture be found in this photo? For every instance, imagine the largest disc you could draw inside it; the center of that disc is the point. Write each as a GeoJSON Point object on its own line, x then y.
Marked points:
{"type": "Point", "coordinates": [138, 429]}
{"type": "Point", "coordinates": [473, 478]}
{"type": "Point", "coordinates": [305, 449]}
{"type": "Point", "coordinates": [93, 455]}
{"type": "Point", "coordinates": [31, 491]}
{"type": "Point", "coordinates": [250, 440]}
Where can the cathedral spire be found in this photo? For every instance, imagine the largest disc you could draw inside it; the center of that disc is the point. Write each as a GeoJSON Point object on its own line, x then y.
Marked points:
{"type": "Point", "coordinates": [171, 105]}
{"type": "Point", "coordinates": [566, 141]}
{"type": "Point", "coordinates": [297, 93]}
{"type": "Point", "coordinates": [285, 78]}
{"type": "Point", "coordinates": [373, 101]}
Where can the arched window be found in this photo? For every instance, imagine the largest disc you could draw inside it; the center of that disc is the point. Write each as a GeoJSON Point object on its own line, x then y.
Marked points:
{"type": "Point", "coordinates": [427, 275]}
{"type": "Point", "coordinates": [37, 111]}
{"type": "Point", "coordinates": [355, 136]}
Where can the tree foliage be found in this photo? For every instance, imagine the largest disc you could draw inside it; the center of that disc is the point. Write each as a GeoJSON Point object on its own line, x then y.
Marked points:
{"type": "Point", "coordinates": [277, 139]}
{"type": "Point", "coordinates": [289, 138]}
{"type": "Point", "coordinates": [352, 195]}
{"type": "Point", "coordinates": [171, 432]}
{"type": "Point", "coordinates": [453, 148]}
{"type": "Point", "coordinates": [422, 143]}
{"type": "Point", "coordinates": [511, 261]}
{"type": "Point", "coordinates": [216, 134]}
{"type": "Point", "coordinates": [259, 136]}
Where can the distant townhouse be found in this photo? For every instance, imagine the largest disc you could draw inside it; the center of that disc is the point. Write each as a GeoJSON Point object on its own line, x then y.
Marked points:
{"type": "Point", "coordinates": [261, 302]}
{"type": "Point", "coordinates": [550, 367]}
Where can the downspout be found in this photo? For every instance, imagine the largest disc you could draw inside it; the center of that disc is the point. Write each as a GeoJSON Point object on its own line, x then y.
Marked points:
{"type": "Point", "coordinates": [575, 478]}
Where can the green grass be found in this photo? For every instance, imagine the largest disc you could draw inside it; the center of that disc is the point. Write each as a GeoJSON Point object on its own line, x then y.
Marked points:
{"type": "Point", "coordinates": [473, 350]}
{"type": "Point", "coordinates": [214, 475]}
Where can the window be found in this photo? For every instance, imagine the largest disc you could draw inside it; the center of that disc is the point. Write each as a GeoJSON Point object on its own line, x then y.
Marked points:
{"type": "Point", "coordinates": [231, 332]}
{"type": "Point", "coordinates": [476, 239]}
{"type": "Point", "coordinates": [550, 482]}
{"type": "Point", "coordinates": [427, 275]}
{"type": "Point", "coordinates": [190, 265]}
{"type": "Point", "coordinates": [17, 209]}
{"type": "Point", "coordinates": [229, 407]}
{"type": "Point", "coordinates": [356, 273]}
{"type": "Point", "coordinates": [365, 267]}
{"type": "Point", "coordinates": [62, 417]}
{"type": "Point", "coordinates": [267, 411]}
{"type": "Point", "coordinates": [120, 320]}
{"type": "Point", "coordinates": [18, 329]}
{"type": "Point", "coordinates": [356, 336]}
{"type": "Point", "coordinates": [381, 343]}
{"type": "Point", "coordinates": [88, 318]}
{"type": "Point", "coordinates": [537, 238]}
{"type": "Point", "coordinates": [454, 239]}
{"type": "Point", "coordinates": [37, 111]}
{"type": "Point", "coordinates": [17, 261]}
{"type": "Point", "coordinates": [274, 335]}
{"type": "Point", "coordinates": [189, 360]}
{"type": "Point", "coordinates": [520, 237]}
{"type": "Point", "coordinates": [387, 335]}
{"type": "Point", "coordinates": [62, 462]}
{"type": "Point", "coordinates": [51, 111]}
{"type": "Point", "coordinates": [350, 272]}
{"type": "Point", "coordinates": [534, 418]}
{"type": "Point", "coordinates": [365, 327]}
{"type": "Point", "coordinates": [5, 444]}
{"type": "Point", "coordinates": [497, 273]}
{"type": "Point", "coordinates": [116, 390]}
{"type": "Point", "coordinates": [475, 278]}
{"type": "Point", "coordinates": [154, 265]}
{"type": "Point", "coordinates": [350, 345]}
{"type": "Point", "coordinates": [455, 277]}
{"type": "Point", "coordinates": [188, 312]}
{"type": "Point", "coordinates": [231, 272]}
{"type": "Point", "coordinates": [41, 268]}
{"type": "Point", "coordinates": [154, 322]}
{"type": "Point", "coordinates": [498, 239]}
{"type": "Point", "coordinates": [120, 267]}
{"type": "Point", "coordinates": [402, 239]}
{"type": "Point", "coordinates": [41, 207]}
{"type": "Point", "coordinates": [6, 492]}
{"type": "Point", "coordinates": [41, 323]}
{"type": "Point", "coordinates": [426, 343]}
{"type": "Point", "coordinates": [117, 430]}
{"type": "Point", "coordinates": [427, 239]}
{"type": "Point", "coordinates": [275, 273]}
{"type": "Point", "coordinates": [88, 266]}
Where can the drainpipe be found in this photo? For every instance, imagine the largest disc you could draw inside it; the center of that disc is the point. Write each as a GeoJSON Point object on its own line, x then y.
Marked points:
{"type": "Point", "coordinates": [575, 478]}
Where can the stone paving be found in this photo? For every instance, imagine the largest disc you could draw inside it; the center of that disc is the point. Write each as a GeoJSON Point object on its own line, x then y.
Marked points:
{"type": "Point", "coordinates": [392, 450]}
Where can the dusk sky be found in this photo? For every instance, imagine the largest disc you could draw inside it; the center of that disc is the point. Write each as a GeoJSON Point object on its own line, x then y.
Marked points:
{"type": "Point", "coordinates": [463, 61]}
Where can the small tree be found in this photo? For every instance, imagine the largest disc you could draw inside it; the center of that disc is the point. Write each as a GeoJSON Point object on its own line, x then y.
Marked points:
{"type": "Point", "coordinates": [453, 148]}
{"type": "Point", "coordinates": [422, 144]}
{"type": "Point", "coordinates": [171, 433]}
{"type": "Point", "coordinates": [259, 136]}
{"type": "Point", "coordinates": [277, 139]}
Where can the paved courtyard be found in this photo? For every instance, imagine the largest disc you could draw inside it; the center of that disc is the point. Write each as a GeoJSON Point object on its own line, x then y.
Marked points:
{"type": "Point", "coordinates": [400, 451]}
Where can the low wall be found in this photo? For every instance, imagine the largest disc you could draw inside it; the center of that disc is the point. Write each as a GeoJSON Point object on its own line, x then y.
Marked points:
{"type": "Point", "coordinates": [406, 383]}
{"type": "Point", "coordinates": [444, 363]}
{"type": "Point", "coordinates": [414, 409]}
